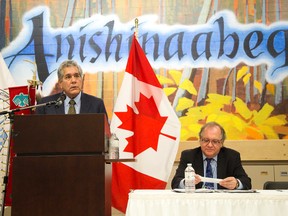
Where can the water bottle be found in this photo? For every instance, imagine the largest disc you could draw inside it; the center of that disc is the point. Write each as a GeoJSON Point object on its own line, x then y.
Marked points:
{"type": "Point", "coordinates": [114, 147]}
{"type": "Point", "coordinates": [189, 179]}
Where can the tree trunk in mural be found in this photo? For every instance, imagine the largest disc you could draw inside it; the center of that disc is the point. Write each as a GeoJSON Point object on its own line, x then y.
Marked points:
{"type": "Point", "coordinates": [2, 23]}
{"type": "Point", "coordinates": [69, 13]}
{"type": "Point", "coordinates": [187, 72]}
{"type": "Point", "coordinates": [203, 89]}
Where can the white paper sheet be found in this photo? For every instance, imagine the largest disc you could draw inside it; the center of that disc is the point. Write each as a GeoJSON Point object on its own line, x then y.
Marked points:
{"type": "Point", "coordinates": [212, 180]}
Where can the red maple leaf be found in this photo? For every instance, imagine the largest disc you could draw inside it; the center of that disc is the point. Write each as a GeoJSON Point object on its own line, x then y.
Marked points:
{"type": "Point", "coordinates": [146, 125]}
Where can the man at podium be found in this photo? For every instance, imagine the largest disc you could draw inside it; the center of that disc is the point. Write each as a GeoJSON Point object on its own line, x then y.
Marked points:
{"type": "Point", "coordinates": [71, 100]}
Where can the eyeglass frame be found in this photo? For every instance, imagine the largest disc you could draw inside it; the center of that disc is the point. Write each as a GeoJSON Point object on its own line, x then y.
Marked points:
{"type": "Point", "coordinates": [206, 141]}
{"type": "Point", "coordinates": [212, 124]}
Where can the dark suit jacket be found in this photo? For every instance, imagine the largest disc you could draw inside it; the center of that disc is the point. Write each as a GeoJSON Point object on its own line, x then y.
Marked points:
{"type": "Point", "coordinates": [89, 104]}
{"type": "Point", "coordinates": [228, 164]}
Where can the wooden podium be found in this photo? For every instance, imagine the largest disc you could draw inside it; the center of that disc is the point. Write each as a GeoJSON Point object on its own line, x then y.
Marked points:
{"type": "Point", "coordinates": [60, 166]}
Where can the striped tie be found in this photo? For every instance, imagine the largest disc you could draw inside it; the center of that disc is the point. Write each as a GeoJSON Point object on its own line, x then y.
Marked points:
{"type": "Point", "coordinates": [209, 173]}
{"type": "Point", "coordinates": [72, 107]}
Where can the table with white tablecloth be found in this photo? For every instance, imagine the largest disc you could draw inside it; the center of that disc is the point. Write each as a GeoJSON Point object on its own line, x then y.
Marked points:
{"type": "Point", "coordinates": [230, 203]}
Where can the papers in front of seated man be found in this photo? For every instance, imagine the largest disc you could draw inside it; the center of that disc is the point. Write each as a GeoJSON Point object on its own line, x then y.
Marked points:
{"type": "Point", "coordinates": [201, 190]}
{"type": "Point", "coordinates": [239, 191]}
{"type": "Point", "coordinates": [205, 190]}
{"type": "Point", "coordinates": [212, 180]}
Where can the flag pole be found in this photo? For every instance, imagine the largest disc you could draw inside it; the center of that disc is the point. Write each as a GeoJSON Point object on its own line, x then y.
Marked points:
{"type": "Point", "coordinates": [136, 28]}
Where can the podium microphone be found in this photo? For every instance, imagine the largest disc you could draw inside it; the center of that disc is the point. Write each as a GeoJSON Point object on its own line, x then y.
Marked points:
{"type": "Point", "coordinates": [60, 100]}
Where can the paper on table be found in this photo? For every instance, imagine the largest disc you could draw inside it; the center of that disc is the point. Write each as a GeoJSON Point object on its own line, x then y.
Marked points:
{"type": "Point", "coordinates": [213, 180]}
{"type": "Point", "coordinates": [240, 191]}
{"type": "Point", "coordinates": [200, 190]}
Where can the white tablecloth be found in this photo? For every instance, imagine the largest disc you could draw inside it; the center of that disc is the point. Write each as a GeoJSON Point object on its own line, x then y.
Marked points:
{"type": "Point", "coordinates": [167, 202]}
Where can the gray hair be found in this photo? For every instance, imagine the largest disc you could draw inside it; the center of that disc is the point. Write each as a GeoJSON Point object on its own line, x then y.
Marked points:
{"type": "Point", "coordinates": [68, 63]}
{"type": "Point", "coordinates": [213, 124]}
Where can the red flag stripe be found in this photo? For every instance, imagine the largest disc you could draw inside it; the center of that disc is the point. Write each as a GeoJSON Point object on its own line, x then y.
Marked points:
{"type": "Point", "coordinates": [125, 179]}
{"type": "Point", "coordinates": [139, 66]}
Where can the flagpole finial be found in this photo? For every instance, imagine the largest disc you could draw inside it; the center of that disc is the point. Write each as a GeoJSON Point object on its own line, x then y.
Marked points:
{"type": "Point", "coordinates": [136, 28]}
{"type": "Point", "coordinates": [34, 82]}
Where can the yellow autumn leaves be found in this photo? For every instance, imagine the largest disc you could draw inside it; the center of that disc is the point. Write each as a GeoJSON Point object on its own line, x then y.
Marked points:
{"type": "Point", "coordinates": [235, 116]}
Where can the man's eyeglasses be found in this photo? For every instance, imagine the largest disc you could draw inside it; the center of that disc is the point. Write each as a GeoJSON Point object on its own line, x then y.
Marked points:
{"type": "Point", "coordinates": [206, 141]}
{"type": "Point", "coordinates": [68, 77]}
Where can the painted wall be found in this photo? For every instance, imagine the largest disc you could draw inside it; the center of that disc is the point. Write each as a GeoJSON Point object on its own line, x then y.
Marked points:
{"type": "Point", "coordinates": [217, 60]}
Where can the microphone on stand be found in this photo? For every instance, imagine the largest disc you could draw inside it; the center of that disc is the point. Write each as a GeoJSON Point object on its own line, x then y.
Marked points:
{"type": "Point", "coordinates": [60, 100]}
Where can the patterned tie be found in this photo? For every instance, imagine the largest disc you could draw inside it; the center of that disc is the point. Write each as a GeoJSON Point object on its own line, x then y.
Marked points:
{"type": "Point", "coordinates": [72, 107]}
{"type": "Point", "coordinates": [209, 174]}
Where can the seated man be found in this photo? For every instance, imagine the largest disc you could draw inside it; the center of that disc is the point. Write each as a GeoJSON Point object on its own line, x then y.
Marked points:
{"type": "Point", "coordinates": [225, 163]}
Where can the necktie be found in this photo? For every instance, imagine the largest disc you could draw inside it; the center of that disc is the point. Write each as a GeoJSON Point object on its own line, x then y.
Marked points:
{"type": "Point", "coordinates": [209, 173]}
{"type": "Point", "coordinates": [71, 109]}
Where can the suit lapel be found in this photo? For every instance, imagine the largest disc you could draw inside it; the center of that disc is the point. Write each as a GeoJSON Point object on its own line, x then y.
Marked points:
{"type": "Point", "coordinates": [220, 164]}
{"type": "Point", "coordinates": [60, 109]}
{"type": "Point", "coordinates": [198, 166]}
{"type": "Point", "coordinates": [84, 104]}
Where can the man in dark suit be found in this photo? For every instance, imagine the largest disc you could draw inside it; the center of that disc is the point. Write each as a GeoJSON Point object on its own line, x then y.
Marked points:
{"type": "Point", "coordinates": [70, 80]}
{"type": "Point", "coordinates": [225, 162]}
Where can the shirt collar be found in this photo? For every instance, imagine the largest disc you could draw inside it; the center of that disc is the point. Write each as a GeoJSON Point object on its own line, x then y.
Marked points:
{"type": "Point", "coordinates": [77, 100]}
{"type": "Point", "coordinates": [214, 158]}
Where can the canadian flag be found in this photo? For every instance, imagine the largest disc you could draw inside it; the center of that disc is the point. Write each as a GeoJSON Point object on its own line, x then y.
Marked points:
{"type": "Point", "coordinates": [148, 130]}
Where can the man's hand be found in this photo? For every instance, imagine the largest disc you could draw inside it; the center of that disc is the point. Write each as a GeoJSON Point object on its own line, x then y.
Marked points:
{"type": "Point", "coordinates": [197, 179]}
{"type": "Point", "coordinates": [230, 183]}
